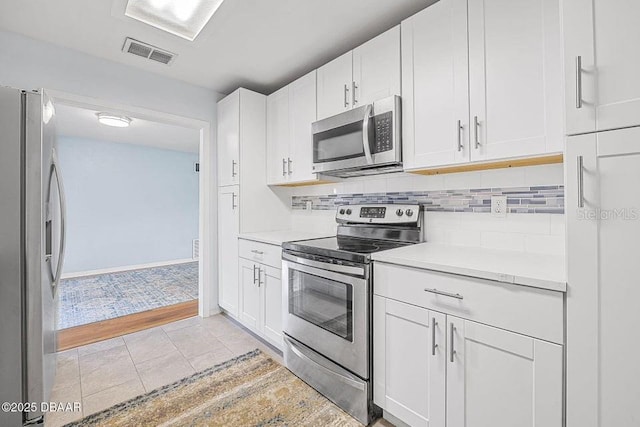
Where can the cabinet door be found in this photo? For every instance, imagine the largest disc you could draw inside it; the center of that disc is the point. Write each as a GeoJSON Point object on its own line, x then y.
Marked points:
{"type": "Point", "coordinates": [278, 136]}
{"type": "Point", "coordinates": [497, 378]}
{"type": "Point", "coordinates": [603, 227]}
{"type": "Point", "coordinates": [515, 69]}
{"type": "Point", "coordinates": [334, 86]}
{"type": "Point", "coordinates": [249, 294]}
{"type": "Point", "coordinates": [376, 68]}
{"type": "Point", "coordinates": [435, 89]}
{"type": "Point", "coordinates": [271, 290]}
{"type": "Point", "coordinates": [409, 349]}
{"type": "Point", "coordinates": [302, 113]}
{"type": "Point", "coordinates": [228, 139]}
{"type": "Point", "coordinates": [604, 35]}
{"type": "Point", "coordinates": [228, 229]}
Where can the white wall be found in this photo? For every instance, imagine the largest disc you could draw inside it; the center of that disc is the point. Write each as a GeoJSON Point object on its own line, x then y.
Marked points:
{"type": "Point", "coordinates": [30, 64]}
{"type": "Point", "coordinates": [127, 204]}
{"type": "Point", "coordinates": [534, 233]}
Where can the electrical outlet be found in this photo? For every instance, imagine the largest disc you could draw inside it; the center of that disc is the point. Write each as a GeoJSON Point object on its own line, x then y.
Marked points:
{"type": "Point", "coordinates": [499, 206]}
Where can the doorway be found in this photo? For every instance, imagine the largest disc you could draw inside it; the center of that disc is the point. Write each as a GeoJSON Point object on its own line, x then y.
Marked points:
{"type": "Point", "coordinates": [134, 220]}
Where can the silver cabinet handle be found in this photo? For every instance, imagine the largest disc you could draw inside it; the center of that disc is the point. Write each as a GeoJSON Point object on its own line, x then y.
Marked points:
{"type": "Point", "coordinates": [284, 167]}
{"type": "Point", "coordinates": [451, 331]}
{"type": "Point", "coordinates": [289, 161]}
{"type": "Point", "coordinates": [433, 336]}
{"type": "Point", "coordinates": [580, 182]}
{"type": "Point", "coordinates": [254, 274]}
{"type": "Point", "coordinates": [233, 201]}
{"type": "Point", "coordinates": [354, 86]}
{"type": "Point", "coordinates": [233, 168]}
{"type": "Point", "coordinates": [459, 130]}
{"type": "Point", "coordinates": [578, 82]}
{"type": "Point", "coordinates": [446, 294]}
{"type": "Point", "coordinates": [346, 94]}
{"type": "Point", "coordinates": [257, 252]}
{"type": "Point", "coordinates": [476, 124]}
{"type": "Point", "coordinates": [365, 134]}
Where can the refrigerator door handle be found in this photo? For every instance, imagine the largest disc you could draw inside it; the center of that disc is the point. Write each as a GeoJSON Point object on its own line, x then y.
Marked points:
{"type": "Point", "coordinates": [54, 172]}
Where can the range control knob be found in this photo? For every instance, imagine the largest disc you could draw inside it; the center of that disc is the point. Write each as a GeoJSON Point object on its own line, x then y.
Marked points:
{"type": "Point", "coordinates": [409, 212]}
{"type": "Point", "coordinates": [341, 211]}
{"type": "Point", "coordinates": [399, 212]}
{"type": "Point", "coordinates": [348, 211]}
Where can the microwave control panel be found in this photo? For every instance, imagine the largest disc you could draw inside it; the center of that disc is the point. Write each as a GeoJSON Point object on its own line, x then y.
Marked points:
{"type": "Point", "coordinates": [383, 124]}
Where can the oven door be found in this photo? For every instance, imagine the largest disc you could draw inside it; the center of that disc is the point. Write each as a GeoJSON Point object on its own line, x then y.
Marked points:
{"type": "Point", "coordinates": [328, 310]}
{"type": "Point", "coordinates": [362, 137]}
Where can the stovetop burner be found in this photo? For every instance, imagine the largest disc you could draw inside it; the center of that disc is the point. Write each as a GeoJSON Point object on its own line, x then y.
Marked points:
{"type": "Point", "coordinates": [363, 230]}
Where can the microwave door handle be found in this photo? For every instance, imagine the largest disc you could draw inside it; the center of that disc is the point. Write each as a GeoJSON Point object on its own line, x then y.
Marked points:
{"type": "Point", "coordinates": [365, 134]}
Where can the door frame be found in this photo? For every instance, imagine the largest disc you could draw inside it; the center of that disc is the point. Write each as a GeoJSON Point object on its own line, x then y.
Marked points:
{"type": "Point", "coordinates": [207, 286]}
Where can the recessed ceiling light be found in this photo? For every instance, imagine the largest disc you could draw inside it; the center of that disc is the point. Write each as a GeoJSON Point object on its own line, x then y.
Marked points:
{"type": "Point", "coordinates": [183, 18]}
{"type": "Point", "coordinates": [113, 120]}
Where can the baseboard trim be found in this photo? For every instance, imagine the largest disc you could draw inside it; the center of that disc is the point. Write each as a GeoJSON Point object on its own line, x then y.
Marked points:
{"type": "Point", "coordinates": [106, 329]}
{"type": "Point", "coordinates": [127, 268]}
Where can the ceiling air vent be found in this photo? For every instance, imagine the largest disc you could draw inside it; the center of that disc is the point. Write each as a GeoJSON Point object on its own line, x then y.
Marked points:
{"type": "Point", "coordinates": [148, 51]}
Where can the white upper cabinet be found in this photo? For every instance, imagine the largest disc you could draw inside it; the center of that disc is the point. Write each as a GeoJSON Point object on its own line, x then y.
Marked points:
{"type": "Point", "coordinates": [302, 113]}
{"type": "Point", "coordinates": [501, 379]}
{"type": "Point", "coordinates": [278, 136]}
{"type": "Point", "coordinates": [376, 68]}
{"type": "Point", "coordinates": [334, 86]}
{"type": "Point", "coordinates": [435, 82]}
{"type": "Point", "coordinates": [602, 64]}
{"type": "Point", "coordinates": [290, 113]}
{"type": "Point", "coordinates": [362, 76]}
{"type": "Point", "coordinates": [228, 139]}
{"type": "Point", "coordinates": [515, 69]}
{"type": "Point", "coordinates": [481, 81]}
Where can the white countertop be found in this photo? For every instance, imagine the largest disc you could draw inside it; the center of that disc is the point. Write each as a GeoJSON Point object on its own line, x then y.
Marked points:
{"type": "Point", "coordinates": [281, 236]}
{"type": "Point", "coordinates": [520, 268]}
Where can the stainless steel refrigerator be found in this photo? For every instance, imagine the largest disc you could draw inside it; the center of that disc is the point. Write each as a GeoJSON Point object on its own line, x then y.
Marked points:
{"type": "Point", "coordinates": [32, 240]}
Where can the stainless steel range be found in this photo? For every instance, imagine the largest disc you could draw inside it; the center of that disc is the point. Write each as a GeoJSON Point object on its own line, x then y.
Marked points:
{"type": "Point", "coordinates": [328, 300]}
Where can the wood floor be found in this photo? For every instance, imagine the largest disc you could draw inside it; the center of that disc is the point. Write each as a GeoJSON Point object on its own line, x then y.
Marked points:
{"type": "Point", "coordinates": [99, 331]}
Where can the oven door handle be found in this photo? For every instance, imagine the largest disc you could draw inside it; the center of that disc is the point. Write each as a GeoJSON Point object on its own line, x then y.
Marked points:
{"type": "Point", "coordinates": [350, 382]}
{"type": "Point", "coordinates": [366, 144]}
{"type": "Point", "coordinates": [340, 269]}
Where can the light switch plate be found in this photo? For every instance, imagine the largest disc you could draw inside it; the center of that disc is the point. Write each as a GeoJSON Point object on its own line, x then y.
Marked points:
{"type": "Point", "coordinates": [499, 206]}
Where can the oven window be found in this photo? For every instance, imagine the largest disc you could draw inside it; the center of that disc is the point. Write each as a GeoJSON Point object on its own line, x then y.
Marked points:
{"type": "Point", "coordinates": [338, 144]}
{"type": "Point", "coordinates": [325, 303]}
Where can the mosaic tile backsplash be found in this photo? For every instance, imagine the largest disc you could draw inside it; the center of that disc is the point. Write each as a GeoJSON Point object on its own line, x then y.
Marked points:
{"type": "Point", "coordinates": [540, 199]}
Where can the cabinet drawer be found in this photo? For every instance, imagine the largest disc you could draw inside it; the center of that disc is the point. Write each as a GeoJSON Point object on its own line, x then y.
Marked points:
{"type": "Point", "coordinates": [530, 311]}
{"type": "Point", "coordinates": [261, 252]}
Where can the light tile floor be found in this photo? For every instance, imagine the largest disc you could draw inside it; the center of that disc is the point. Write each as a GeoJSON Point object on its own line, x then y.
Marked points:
{"type": "Point", "coordinates": [103, 374]}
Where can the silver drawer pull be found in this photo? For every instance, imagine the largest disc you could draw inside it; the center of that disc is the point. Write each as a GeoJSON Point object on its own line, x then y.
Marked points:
{"type": "Point", "coordinates": [257, 252]}
{"type": "Point", "coordinates": [578, 82]}
{"type": "Point", "coordinates": [446, 294]}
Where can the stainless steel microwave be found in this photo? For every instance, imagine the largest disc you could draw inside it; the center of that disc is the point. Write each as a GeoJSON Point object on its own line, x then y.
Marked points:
{"type": "Point", "coordinates": [362, 141]}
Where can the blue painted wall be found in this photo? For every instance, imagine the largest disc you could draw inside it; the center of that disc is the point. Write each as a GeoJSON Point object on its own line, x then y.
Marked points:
{"type": "Point", "coordinates": [127, 204]}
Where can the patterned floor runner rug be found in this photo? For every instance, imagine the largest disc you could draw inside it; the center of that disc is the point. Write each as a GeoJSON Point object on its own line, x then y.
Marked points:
{"type": "Point", "coordinates": [249, 390]}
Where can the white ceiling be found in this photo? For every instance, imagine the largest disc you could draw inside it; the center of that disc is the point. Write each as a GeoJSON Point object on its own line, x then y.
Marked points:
{"type": "Point", "coordinates": [258, 44]}
{"type": "Point", "coordinates": [83, 123]}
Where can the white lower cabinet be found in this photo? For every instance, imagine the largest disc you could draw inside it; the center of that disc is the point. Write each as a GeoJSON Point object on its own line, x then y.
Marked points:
{"type": "Point", "coordinates": [249, 293]}
{"type": "Point", "coordinates": [228, 229]}
{"type": "Point", "coordinates": [409, 362]}
{"type": "Point", "coordinates": [260, 307]}
{"type": "Point", "coordinates": [431, 368]}
{"type": "Point", "coordinates": [497, 378]}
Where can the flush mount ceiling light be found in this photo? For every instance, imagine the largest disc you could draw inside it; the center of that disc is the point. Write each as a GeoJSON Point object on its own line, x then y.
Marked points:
{"type": "Point", "coordinates": [183, 18]}
{"type": "Point", "coordinates": [113, 120]}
